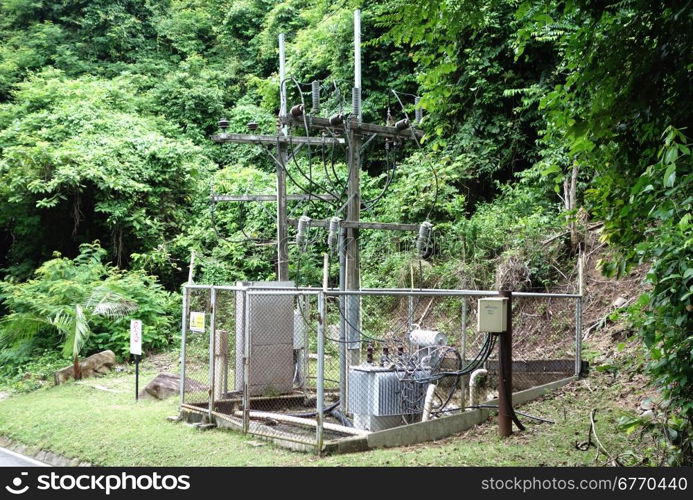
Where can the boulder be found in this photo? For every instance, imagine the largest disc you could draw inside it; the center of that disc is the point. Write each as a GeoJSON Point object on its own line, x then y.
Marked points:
{"type": "Point", "coordinates": [96, 364]}
{"type": "Point", "coordinates": [165, 385]}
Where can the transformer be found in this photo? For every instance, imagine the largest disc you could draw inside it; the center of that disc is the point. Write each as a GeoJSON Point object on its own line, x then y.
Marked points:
{"type": "Point", "coordinates": [379, 400]}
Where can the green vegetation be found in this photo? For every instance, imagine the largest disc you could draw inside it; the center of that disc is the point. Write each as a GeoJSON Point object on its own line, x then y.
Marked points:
{"type": "Point", "coordinates": [541, 117]}
{"type": "Point", "coordinates": [81, 303]}
{"type": "Point", "coordinates": [97, 426]}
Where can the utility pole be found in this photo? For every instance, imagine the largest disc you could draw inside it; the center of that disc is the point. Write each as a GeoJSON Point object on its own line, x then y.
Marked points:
{"type": "Point", "coordinates": [353, 260]}
{"type": "Point", "coordinates": [336, 130]}
{"type": "Point", "coordinates": [282, 232]}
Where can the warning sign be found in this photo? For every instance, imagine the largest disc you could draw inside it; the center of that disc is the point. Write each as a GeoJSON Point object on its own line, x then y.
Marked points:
{"type": "Point", "coordinates": [197, 322]}
{"type": "Point", "coordinates": [136, 337]}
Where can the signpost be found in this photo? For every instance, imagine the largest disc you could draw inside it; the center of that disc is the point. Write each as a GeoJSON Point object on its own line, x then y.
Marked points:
{"type": "Point", "coordinates": [136, 350]}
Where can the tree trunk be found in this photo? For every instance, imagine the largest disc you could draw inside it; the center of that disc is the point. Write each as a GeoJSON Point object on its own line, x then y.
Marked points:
{"type": "Point", "coordinates": [77, 368]}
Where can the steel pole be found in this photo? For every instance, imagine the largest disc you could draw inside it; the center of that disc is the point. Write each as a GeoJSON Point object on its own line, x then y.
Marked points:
{"type": "Point", "coordinates": [343, 369]}
{"type": "Point", "coordinates": [183, 337]}
{"type": "Point", "coordinates": [321, 372]}
{"type": "Point", "coordinates": [282, 155]}
{"type": "Point", "coordinates": [246, 361]}
{"type": "Point", "coordinates": [357, 61]}
{"type": "Point", "coordinates": [212, 344]}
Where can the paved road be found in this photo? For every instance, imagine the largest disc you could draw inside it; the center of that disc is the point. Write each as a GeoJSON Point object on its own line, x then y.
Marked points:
{"type": "Point", "coordinates": [11, 459]}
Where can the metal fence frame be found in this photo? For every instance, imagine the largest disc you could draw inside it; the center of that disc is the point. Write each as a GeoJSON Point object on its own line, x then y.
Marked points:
{"type": "Point", "coordinates": [322, 294]}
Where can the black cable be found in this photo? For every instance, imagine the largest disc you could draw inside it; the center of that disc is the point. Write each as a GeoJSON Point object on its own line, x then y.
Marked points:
{"type": "Point", "coordinates": [390, 178]}
{"type": "Point", "coordinates": [288, 173]}
{"type": "Point", "coordinates": [418, 144]}
{"type": "Point", "coordinates": [341, 418]}
{"type": "Point", "coordinates": [309, 179]}
{"type": "Point", "coordinates": [540, 419]}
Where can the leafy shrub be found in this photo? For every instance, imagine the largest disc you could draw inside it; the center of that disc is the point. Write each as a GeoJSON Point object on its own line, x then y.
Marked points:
{"type": "Point", "coordinates": [59, 285]}
{"type": "Point", "coordinates": [33, 374]}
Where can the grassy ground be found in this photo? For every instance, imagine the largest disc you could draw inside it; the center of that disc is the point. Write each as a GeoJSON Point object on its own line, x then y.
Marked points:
{"type": "Point", "coordinates": [109, 428]}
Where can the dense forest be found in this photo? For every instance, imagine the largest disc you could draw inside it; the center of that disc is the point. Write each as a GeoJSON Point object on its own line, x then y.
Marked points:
{"type": "Point", "coordinates": [541, 118]}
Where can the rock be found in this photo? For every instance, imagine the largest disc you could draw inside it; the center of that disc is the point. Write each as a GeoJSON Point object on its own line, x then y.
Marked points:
{"type": "Point", "coordinates": [648, 414]}
{"type": "Point", "coordinates": [96, 364]}
{"type": "Point", "coordinates": [647, 404]}
{"type": "Point", "coordinates": [165, 385]}
{"type": "Point", "coordinates": [619, 302]}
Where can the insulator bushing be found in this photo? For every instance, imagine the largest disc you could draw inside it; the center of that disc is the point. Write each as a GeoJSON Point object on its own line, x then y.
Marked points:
{"type": "Point", "coordinates": [302, 230]}
{"type": "Point", "coordinates": [333, 235]}
{"type": "Point", "coordinates": [425, 230]}
{"type": "Point", "coordinates": [418, 111]}
{"type": "Point", "coordinates": [315, 96]}
{"type": "Point", "coordinates": [356, 101]}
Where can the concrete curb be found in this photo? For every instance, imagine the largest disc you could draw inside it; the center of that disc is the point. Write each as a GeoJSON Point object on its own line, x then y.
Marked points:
{"type": "Point", "coordinates": [44, 456]}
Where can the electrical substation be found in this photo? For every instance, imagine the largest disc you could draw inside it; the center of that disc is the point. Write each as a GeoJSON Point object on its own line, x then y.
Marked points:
{"type": "Point", "coordinates": [345, 368]}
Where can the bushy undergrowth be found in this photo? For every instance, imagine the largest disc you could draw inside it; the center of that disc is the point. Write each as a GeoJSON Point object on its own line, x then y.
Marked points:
{"type": "Point", "coordinates": [58, 286]}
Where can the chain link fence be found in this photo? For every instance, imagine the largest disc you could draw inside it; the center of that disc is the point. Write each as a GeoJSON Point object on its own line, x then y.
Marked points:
{"type": "Point", "coordinates": [307, 366]}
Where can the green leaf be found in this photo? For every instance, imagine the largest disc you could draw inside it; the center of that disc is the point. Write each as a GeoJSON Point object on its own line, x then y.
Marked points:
{"type": "Point", "coordinates": [670, 175]}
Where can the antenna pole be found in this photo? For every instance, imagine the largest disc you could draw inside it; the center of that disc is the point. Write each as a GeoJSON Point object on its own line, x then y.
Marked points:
{"type": "Point", "coordinates": [357, 64]}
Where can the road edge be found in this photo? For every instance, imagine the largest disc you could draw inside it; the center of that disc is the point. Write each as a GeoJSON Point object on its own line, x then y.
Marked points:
{"type": "Point", "coordinates": [44, 458]}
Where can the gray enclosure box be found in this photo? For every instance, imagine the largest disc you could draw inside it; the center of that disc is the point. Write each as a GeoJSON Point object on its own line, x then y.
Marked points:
{"type": "Point", "coordinates": [271, 332]}
{"type": "Point", "coordinates": [377, 397]}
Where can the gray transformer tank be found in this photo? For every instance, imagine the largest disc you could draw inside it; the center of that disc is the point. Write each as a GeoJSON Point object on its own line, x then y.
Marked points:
{"type": "Point", "coordinates": [379, 400]}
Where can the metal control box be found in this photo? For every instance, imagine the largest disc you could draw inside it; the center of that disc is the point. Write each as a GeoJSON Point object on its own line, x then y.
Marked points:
{"type": "Point", "coordinates": [492, 315]}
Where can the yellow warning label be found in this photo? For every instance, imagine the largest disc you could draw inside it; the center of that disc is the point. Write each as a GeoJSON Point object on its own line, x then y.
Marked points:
{"type": "Point", "coordinates": [197, 321]}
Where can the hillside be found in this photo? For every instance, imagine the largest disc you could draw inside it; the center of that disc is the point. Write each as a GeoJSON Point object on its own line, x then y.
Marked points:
{"type": "Point", "coordinates": [547, 129]}
{"type": "Point", "coordinates": [615, 389]}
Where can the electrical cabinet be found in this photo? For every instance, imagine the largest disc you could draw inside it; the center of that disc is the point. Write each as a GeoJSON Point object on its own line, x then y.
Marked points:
{"type": "Point", "coordinates": [492, 315]}
{"type": "Point", "coordinates": [271, 328]}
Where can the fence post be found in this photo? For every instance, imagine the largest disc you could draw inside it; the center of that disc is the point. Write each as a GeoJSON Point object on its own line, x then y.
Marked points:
{"type": "Point", "coordinates": [212, 342]}
{"type": "Point", "coordinates": [578, 336]}
{"type": "Point", "coordinates": [578, 313]}
{"type": "Point", "coordinates": [246, 360]}
{"type": "Point", "coordinates": [505, 371]}
{"type": "Point", "coordinates": [183, 337]}
{"type": "Point", "coordinates": [463, 352]}
{"type": "Point", "coordinates": [410, 320]}
{"type": "Point", "coordinates": [321, 371]}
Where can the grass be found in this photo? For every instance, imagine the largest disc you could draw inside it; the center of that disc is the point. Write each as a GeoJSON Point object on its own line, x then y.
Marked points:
{"type": "Point", "coordinates": [109, 428]}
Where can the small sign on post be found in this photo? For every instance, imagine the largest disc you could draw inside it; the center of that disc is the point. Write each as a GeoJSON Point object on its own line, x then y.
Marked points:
{"type": "Point", "coordinates": [136, 350]}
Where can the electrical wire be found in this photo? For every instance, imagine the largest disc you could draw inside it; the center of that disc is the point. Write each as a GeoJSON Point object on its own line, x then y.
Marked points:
{"type": "Point", "coordinates": [539, 419]}
{"type": "Point", "coordinates": [418, 144]}
{"type": "Point", "coordinates": [246, 238]}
